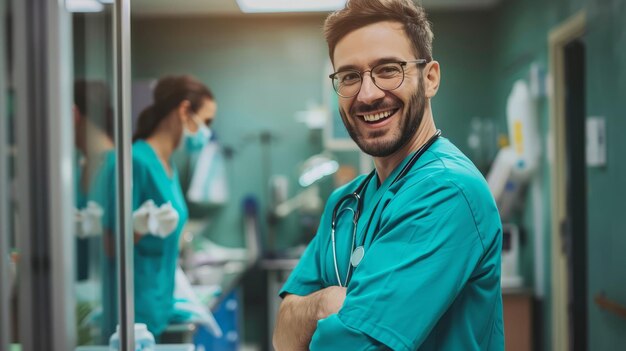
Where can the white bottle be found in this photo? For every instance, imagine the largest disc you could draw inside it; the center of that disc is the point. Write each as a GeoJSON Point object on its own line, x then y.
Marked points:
{"type": "Point", "coordinates": [144, 340]}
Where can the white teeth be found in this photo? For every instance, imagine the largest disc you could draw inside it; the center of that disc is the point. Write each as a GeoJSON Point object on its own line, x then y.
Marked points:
{"type": "Point", "coordinates": [377, 116]}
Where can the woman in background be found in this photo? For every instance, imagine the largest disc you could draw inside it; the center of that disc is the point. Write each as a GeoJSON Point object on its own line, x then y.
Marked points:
{"type": "Point", "coordinates": [179, 117]}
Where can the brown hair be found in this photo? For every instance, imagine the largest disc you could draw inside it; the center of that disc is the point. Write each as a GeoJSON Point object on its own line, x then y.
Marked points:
{"type": "Point", "coordinates": [360, 13]}
{"type": "Point", "coordinates": [169, 92]}
{"type": "Point", "coordinates": [93, 101]}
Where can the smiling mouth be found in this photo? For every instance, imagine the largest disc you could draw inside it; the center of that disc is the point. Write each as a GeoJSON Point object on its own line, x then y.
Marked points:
{"type": "Point", "coordinates": [378, 116]}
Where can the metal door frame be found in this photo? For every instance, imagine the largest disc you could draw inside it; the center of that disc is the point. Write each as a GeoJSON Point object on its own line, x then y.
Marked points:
{"type": "Point", "coordinates": [5, 327]}
{"type": "Point", "coordinates": [42, 75]}
{"type": "Point", "coordinates": [123, 172]}
{"type": "Point", "coordinates": [571, 29]}
{"type": "Point", "coordinates": [44, 135]}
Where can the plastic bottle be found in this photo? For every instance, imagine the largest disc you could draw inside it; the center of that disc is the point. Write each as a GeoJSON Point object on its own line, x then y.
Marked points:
{"type": "Point", "coordinates": [521, 114]}
{"type": "Point", "coordinates": [144, 340]}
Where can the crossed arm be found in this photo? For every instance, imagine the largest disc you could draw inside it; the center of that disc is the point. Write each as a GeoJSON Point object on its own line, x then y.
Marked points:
{"type": "Point", "coordinates": [298, 316]}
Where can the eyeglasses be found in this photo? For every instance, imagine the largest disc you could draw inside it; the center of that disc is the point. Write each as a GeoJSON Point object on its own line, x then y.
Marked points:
{"type": "Point", "coordinates": [386, 76]}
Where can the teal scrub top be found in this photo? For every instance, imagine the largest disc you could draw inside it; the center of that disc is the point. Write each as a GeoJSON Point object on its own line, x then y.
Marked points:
{"type": "Point", "coordinates": [430, 276]}
{"type": "Point", "coordinates": [155, 257]}
{"type": "Point", "coordinates": [99, 186]}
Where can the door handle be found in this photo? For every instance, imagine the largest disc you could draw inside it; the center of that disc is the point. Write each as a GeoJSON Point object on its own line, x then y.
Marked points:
{"type": "Point", "coordinates": [609, 305]}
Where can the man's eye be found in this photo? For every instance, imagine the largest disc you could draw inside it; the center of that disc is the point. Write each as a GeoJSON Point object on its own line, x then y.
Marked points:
{"type": "Point", "coordinates": [388, 71]}
{"type": "Point", "coordinates": [350, 78]}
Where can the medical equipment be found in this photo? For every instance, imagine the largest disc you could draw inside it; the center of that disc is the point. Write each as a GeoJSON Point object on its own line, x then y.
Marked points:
{"type": "Point", "coordinates": [144, 340]}
{"type": "Point", "coordinates": [510, 277]}
{"type": "Point", "coordinates": [313, 170]}
{"type": "Point", "coordinates": [514, 165]}
{"type": "Point", "coordinates": [357, 253]}
{"type": "Point", "coordinates": [209, 182]}
{"type": "Point", "coordinates": [187, 300]}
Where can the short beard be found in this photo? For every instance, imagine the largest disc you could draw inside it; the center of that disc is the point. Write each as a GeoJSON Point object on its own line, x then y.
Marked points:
{"type": "Point", "coordinates": [412, 118]}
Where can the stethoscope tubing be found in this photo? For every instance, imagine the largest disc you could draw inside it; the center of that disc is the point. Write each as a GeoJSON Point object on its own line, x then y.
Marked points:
{"type": "Point", "coordinates": [356, 214]}
{"type": "Point", "coordinates": [351, 250]}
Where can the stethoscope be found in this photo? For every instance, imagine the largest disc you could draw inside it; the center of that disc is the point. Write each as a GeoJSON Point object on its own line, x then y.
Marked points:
{"type": "Point", "coordinates": [359, 251]}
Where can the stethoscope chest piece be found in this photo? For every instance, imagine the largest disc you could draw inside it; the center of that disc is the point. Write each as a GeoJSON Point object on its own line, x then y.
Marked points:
{"type": "Point", "coordinates": [357, 256]}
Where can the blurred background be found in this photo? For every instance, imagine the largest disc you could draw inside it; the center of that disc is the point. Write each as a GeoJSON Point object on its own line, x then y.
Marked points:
{"type": "Point", "coordinates": [532, 92]}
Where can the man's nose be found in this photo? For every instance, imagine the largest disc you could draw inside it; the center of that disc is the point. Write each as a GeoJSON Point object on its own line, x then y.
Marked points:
{"type": "Point", "coordinates": [369, 91]}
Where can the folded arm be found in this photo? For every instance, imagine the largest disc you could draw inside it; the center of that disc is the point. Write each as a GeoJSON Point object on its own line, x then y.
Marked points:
{"type": "Point", "coordinates": [298, 316]}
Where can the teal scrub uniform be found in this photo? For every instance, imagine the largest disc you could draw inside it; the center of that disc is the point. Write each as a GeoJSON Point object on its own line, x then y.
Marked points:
{"type": "Point", "coordinates": [155, 257]}
{"type": "Point", "coordinates": [430, 276]}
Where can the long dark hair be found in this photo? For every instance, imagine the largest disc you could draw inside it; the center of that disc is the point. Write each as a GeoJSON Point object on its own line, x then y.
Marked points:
{"type": "Point", "coordinates": [169, 92]}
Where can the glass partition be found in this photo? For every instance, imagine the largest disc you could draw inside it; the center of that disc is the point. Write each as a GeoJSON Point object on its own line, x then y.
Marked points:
{"type": "Point", "coordinates": [94, 176]}
{"type": "Point", "coordinates": [58, 171]}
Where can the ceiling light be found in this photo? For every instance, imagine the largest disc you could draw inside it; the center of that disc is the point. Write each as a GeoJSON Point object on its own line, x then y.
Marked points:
{"type": "Point", "coordinates": [83, 6]}
{"type": "Point", "coordinates": [256, 6]}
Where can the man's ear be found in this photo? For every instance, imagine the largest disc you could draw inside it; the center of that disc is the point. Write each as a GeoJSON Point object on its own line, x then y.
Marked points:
{"type": "Point", "coordinates": [432, 77]}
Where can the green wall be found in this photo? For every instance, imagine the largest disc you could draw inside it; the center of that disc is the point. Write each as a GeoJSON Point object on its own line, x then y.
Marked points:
{"type": "Point", "coordinates": [520, 33]}
{"type": "Point", "coordinates": [464, 48]}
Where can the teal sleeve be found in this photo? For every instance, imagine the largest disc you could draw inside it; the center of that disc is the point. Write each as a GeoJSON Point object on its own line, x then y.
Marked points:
{"type": "Point", "coordinates": [333, 334]}
{"type": "Point", "coordinates": [306, 277]}
{"type": "Point", "coordinates": [427, 245]}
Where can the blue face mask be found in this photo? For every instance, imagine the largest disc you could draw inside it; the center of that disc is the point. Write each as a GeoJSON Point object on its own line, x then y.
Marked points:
{"type": "Point", "coordinates": [194, 142]}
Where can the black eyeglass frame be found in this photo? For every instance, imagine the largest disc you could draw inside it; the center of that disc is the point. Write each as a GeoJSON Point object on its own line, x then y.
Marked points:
{"type": "Point", "coordinates": [361, 73]}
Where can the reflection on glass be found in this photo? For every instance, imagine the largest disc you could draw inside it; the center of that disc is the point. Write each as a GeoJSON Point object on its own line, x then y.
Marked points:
{"type": "Point", "coordinates": [94, 179]}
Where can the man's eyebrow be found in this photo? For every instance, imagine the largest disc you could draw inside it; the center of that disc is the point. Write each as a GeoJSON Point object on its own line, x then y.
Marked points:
{"type": "Point", "coordinates": [377, 62]}
{"type": "Point", "coordinates": [347, 68]}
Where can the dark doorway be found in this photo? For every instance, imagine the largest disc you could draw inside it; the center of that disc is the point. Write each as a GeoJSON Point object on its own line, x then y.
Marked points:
{"type": "Point", "coordinates": [576, 220]}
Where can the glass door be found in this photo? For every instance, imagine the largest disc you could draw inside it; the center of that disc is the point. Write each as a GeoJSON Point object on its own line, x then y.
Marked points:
{"type": "Point", "coordinates": [93, 165]}
{"type": "Point", "coordinates": [64, 158]}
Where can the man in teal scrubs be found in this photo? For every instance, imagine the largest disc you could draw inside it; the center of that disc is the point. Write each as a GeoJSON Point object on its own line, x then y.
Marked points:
{"type": "Point", "coordinates": [422, 269]}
